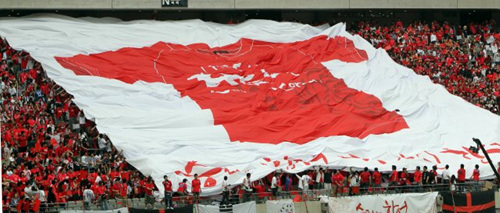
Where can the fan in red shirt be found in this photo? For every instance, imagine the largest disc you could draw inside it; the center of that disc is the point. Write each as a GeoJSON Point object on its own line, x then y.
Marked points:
{"type": "Point", "coordinates": [461, 177]}
{"type": "Point", "coordinates": [475, 173]}
{"type": "Point", "coordinates": [405, 178]}
{"type": "Point", "coordinates": [196, 188]}
{"type": "Point", "coordinates": [150, 186]}
{"type": "Point", "coordinates": [167, 184]}
{"type": "Point", "coordinates": [23, 142]}
{"type": "Point", "coordinates": [377, 179]}
{"type": "Point", "coordinates": [418, 176]}
{"type": "Point", "coordinates": [366, 180]}
{"type": "Point", "coordinates": [182, 190]}
{"type": "Point", "coordinates": [394, 179]}
{"type": "Point", "coordinates": [116, 188]}
{"type": "Point", "coordinates": [338, 182]}
{"type": "Point", "coordinates": [124, 189]}
{"type": "Point", "coordinates": [461, 174]}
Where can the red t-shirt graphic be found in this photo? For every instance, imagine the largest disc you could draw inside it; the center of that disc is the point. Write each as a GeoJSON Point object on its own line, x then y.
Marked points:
{"type": "Point", "coordinates": [259, 91]}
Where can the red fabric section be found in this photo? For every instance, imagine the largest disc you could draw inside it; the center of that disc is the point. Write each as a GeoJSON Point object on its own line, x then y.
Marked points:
{"type": "Point", "coordinates": [277, 91]}
{"type": "Point", "coordinates": [470, 208]}
{"type": "Point", "coordinates": [469, 201]}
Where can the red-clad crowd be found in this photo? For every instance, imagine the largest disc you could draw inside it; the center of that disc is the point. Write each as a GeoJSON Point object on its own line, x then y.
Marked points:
{"type": "Point", "coordinates": [464, 59]}
{"type": "Point", "coordinates": [51, 153]}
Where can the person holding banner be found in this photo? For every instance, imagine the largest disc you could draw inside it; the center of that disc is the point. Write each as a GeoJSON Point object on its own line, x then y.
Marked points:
{"type": "Point", "coordinates": [304, 183]}
{"type": "Point", "coordinates": [248, 187]}
{"type": "Point", "coordinates": [225, 191]}
{"type": "Point", "coordinates": [274, 185]}
{"type": "Point", "coordinates": [167, 184]}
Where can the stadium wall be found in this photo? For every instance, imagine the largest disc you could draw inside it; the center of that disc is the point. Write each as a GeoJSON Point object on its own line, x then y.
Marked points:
{"type": "Point", "coordinates": [252, 4]}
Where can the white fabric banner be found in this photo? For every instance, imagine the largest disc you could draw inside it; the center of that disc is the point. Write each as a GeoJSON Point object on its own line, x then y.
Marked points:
{"type": "Point", "coordinates": [120, 210]}
{"type": "Point", "coordinates": [248, 207]}
{"type": "Point", "coordinates": [206, 209]}
{"type": "Point", "coordinates": [401, 203]}
{"type": "Point", "coordinates": [280, 206]}
{"type": "Point", "coordinates": [177, 105]}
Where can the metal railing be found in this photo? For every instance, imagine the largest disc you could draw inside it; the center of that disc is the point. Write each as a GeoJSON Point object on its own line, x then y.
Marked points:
{"type": "Point", "coordinates": [296, 195]}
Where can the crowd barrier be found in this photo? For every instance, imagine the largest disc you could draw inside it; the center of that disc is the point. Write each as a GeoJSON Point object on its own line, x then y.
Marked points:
{"type": "Point", "coordinates": [260, 198]}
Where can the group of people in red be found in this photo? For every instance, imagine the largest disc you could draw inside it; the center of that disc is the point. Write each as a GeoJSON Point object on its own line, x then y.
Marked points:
{"type": "Point", "coordinates": [463, 58]}
{"type": "Point", "coordinates": [342, 182]}
{"type": "Point", "coordinates": [51, 153]}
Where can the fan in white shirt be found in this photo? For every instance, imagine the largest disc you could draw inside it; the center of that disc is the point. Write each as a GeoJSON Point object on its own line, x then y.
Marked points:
{"type": "Point", "coordinates": [446, 174]}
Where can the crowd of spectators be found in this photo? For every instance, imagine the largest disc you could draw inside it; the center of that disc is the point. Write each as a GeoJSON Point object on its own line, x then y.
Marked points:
{"type": "Point", "coordinates": [52, 154]}
{"type": "Point", "coordinates": [464, 59]}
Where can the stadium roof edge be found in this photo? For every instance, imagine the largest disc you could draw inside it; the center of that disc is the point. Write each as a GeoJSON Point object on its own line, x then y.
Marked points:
{"type": "Point", "coordinates": [246, 4]}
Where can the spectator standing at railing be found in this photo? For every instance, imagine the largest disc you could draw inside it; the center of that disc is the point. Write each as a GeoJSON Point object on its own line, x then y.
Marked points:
{"type": "Point", "coordinates": [274, 185]}
{"type": "Point", "coordinates": [461, 177]}
{"type": "Point", "coordinates": [328, 180]}
{"type": "Point", "coordinates": [304, 183]}
{"type": "Point", "coordinates": [167, 185]}
{"type": "Point", "coordinates": [353, 179]}
{"type": "Point", "coordinates": [417, 176]}
{"type": "Point", "coordinates": [247, 187]}
{"type": "Point", "coordinates": [446, 175]}
{"type": "Point", "coordinates": [394, 178]}
{"type": "Point", "coordinates": [225, 191]}
{"type": "Point", "coordinates": [433, 175]}
{"type": "Point", "coordinates": [405, 179]}
{"type": "Point", "coordinates": [475, 177]}
{"type": "Point", "coordinates": [340, 182]}
{"type": "Point", "coordinates": [425, 178]}
{"type": "Point", "coordinates": [377, 180]}
{"type": "Point", "coordinates": [288, 184]}
{"type": "Point", "coordinates": [150, 199]}
{"type": "Point", "coordinates": [475, 173]}
{"type": "Point", "coordinates": [320, 178]}
{"type": "Point", "coordinates": [453, 182]}
{"type": "Point", "coordinates": [365, 180]}
{"type": "Point", "coordinates": [196, 188]}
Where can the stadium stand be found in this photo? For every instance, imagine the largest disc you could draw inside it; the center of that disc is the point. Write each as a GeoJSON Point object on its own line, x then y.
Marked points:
{"type": "Point", "coordinates": [51, 152]}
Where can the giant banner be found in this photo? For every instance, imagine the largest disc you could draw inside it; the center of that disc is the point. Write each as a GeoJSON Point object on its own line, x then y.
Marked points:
{"type": "Point", "coordinates": [186, 97]}
{"type": "Point", "coordinates": [395, 203]}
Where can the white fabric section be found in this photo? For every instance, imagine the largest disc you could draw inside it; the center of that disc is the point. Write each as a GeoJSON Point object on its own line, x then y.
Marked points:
{"type": "Point", "coordinates": [121, 210]}
{"type": "Point", "coordinates": [206, 209]}
{"type": "Point", "coordinates": [160, 132]}
{"type": "Point", "coordinates": [280, 206]}
{"type": "Point", "coordinates": [408, 202]}
{"type": "Point", "coordinates": [248, 207]}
